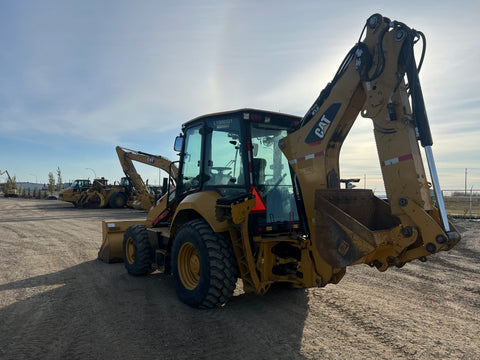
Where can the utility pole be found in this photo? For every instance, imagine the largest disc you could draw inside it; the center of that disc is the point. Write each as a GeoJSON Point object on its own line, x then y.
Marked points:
{"type": "Point", "coordinates": [465, 181]}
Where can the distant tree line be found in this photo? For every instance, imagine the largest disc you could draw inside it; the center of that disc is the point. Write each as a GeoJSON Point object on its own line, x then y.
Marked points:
{"type": "Point", "coordinates": [31, 194]}
{"type": "Point", "coordinates": [37, 193]}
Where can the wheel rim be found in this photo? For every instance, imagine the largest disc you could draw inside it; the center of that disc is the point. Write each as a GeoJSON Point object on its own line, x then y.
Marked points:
{"type": "Point", "coordinates": [130, 250]}
{"type": "Point", "coordinates": [119, 201]}
{"type": "Point", "coordinates": [189, 268]}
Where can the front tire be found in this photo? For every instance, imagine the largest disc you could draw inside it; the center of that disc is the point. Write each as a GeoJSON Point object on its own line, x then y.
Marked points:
{"type": "Point", "coordinates": [137, 251]}
{"type": "Point", "coordinates": [203, 266]}
{"type": "Point", "coordinates": [118, 200]}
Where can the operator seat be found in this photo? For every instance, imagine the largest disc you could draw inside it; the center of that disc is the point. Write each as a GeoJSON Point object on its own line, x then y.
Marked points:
{"type": "Point", "coordinates": [259, 166]}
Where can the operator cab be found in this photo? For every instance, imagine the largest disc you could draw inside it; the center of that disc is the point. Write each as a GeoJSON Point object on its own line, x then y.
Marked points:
{"type": "Point", "coordinates": [80, 185]}
{"type": "Point", "coordinates": [102, 181]}
{"type": "Point", "coordinates": [236, 152]}
{"type": "Point", "coordinates": [127, 184]}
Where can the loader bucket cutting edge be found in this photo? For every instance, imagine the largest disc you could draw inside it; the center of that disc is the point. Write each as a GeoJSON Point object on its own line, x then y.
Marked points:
{"type": "Point", "coordinates": [111, 250]}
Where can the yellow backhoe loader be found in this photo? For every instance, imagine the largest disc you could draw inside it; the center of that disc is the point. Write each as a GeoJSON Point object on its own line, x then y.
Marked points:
{"type": "Point", "coordinates": [10, 188]}
{"type": "Point", "coordinates": [141, 196]}
{"type": "Point", "coordinates": [258, 193]}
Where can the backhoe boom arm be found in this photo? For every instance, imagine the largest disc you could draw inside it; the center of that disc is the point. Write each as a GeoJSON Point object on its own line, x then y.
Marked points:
{"type": "Point", "coordinates": [370, 82]}
{"type": "Point", "coordinates": [127, 157]}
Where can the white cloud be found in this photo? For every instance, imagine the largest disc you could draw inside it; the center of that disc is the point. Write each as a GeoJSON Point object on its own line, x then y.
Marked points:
{"type": "Point", "coordinates": [101, 72]}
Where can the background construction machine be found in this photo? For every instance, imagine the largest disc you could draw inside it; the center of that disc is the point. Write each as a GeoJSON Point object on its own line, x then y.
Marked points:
{"type": "Point", "coordinates": [141, 195]}
{"type": "Point", "coordinates": [258, 193]}
{"type": "Point", "coordinates": [99, 194]}
{"type": "Point", "coordinates": [10, 187]}
{"type": "Point", "coordinates": [132, 191]}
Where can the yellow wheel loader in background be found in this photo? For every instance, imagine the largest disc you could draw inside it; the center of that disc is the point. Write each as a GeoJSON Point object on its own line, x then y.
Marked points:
{"type": "Point", "coordinates": [73, 193]}
{"type": "Point", "coordinates": [99, 194]}
{"type": "Point", "coordinates": [258, 193]}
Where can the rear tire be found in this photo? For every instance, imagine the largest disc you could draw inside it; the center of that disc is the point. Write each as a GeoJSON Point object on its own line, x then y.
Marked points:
{"type": "Point", "coordinates": [203, 265]}
{"type": "Point", "coordinates": [137, 251]}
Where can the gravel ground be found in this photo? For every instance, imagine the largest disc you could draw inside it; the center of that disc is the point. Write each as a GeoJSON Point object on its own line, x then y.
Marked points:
{"type": "Point", "coordinates": [57, 301]}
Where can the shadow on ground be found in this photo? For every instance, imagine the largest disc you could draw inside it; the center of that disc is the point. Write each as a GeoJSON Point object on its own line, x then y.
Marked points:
{"type": "Point", "coordinates": [95, 310]}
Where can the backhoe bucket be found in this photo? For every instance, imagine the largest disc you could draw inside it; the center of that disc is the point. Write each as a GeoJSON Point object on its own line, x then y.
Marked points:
{"type": "Point", "coordinates": [349, 224]}
{"type": "Point", "coordinates": [354, 227]}
{"type": "Point", "coordinates": [112, 234]}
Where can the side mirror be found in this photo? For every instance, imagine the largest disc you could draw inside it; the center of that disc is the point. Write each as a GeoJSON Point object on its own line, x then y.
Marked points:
{"type": "Point", "coordinates": [178, 143]}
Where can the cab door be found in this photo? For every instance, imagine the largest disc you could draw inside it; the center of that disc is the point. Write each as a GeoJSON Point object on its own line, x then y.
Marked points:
{"type": "Point", "coordinates": [190, 161]}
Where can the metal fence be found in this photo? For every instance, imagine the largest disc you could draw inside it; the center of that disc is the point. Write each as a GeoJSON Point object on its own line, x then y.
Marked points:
{"type": "Point", "coordinates": [462, 203]}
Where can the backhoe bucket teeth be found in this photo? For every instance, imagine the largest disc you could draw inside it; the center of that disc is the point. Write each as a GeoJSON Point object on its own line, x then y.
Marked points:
{"type": "Point", "coordinates": [111, 250]}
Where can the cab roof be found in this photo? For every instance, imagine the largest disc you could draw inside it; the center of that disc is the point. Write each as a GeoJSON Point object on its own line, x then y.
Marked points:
{"type": "Point", "coordinates": [246, 111]}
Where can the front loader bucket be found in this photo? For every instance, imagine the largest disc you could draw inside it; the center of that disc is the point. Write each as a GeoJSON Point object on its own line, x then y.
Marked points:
{"type": "Point", "coordinates": [112, 234]}
{"type": "Point", "coordinates": [350, 224]}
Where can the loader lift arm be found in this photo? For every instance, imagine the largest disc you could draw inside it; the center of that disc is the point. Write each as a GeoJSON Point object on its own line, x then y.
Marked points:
{"type": "Point", "coordinates": [128, 156]}
{"type": "Point", "coordinates": [371, 82]}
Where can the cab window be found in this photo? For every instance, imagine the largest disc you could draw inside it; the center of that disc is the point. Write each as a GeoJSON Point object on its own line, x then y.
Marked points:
{"type": "Point", "coordinates": [271, 173]}
{"type": "Point", "coordinates": [223, 154]}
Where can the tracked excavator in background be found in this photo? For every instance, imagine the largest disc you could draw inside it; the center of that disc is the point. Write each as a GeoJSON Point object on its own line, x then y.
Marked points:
{"type": "Point", "coordinates": [9, 190]}
{"type": "Point", "coordinates": [258, 193]}
{"type": "Point", "coordinates": [141, 196]}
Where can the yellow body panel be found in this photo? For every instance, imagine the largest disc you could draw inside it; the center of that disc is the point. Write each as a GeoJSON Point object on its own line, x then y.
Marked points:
{"type": "Point", "coordinates": [204, 204]}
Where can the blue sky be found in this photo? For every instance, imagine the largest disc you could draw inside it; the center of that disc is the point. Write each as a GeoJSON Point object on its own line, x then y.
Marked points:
{"type": "Point", "coordinates": [80, 77]}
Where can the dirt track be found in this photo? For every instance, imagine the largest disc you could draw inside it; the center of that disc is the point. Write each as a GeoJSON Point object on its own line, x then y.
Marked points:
{"type": "Point", "coordinates": [58, 302]}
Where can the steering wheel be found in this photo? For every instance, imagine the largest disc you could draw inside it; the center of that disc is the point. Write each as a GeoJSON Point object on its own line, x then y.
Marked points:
{"type": "Point", "coordinates": [221, 169]}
